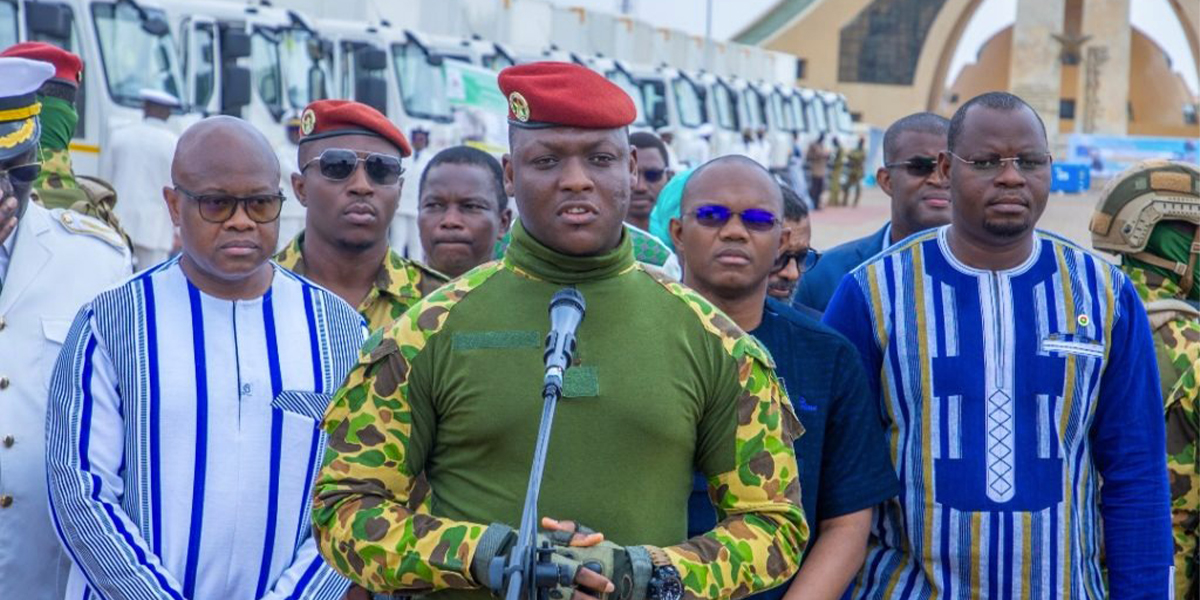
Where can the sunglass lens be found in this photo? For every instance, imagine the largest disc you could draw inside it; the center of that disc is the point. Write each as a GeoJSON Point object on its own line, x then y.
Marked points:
{"type": "Point", "coordinates": [921, 167]}
{"type": "Point", "coordinates": [217, 209]}
{"type": "Point", "coordinates": [26, 173]}
{"type": "Point", "coordinates": [758, 220]}
{"type": "Point", "coordinates": [338, 164]}
{"type": "Point", "coordinates": [382, 169]}
{"type": "Point", "coordinates": [712, 216]}
{"type": "Point", "coordinates": [653, 175]}
{"type": "Point", "coordinates": [264, 209]}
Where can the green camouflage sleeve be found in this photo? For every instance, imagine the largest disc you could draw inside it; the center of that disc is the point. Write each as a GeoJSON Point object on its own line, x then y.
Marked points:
{"type": "Point", "coordinates": [762, 532]}
{"type": "Point", "coordinates": [368, 514]}
{"type": "Point", "coordinates": [1180, 349]}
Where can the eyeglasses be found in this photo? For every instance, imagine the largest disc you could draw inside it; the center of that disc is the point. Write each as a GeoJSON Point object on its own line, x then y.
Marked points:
{"type": "Point", "coordinates": [653, 175]}
{"type": "Point", "coordinates": [26, 173]}
{"type": "Point", "coordinates": [218, 208]}
{"type": "Point", "coordinates": [994, 164]}
{"type": "Point", "coordinates": [715, 215]}
{"type": "Point", "coordinates": [338, 164]}
{"type": "Point", "coordinates": [805, 260]}
{"type": "Point", "coordinates": [918, 166]}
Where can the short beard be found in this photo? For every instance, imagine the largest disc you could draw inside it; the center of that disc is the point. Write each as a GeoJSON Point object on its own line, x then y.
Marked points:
{"type": "Point", "coordinates": [1005, 229]}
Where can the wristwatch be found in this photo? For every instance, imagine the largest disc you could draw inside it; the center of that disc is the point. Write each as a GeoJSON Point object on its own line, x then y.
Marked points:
{"type": "Point", "coordinates": [665, 583]}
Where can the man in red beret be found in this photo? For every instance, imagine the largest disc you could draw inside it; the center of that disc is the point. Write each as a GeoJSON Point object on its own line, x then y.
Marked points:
{"type": "Point", "coordinates": [349, 181]}
{"type": "Point", "coordinates": [431, 437]}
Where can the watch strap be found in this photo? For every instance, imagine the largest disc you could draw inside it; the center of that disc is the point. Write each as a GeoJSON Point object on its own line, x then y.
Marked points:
{"type": "Point", "coordinates": [658, 556]}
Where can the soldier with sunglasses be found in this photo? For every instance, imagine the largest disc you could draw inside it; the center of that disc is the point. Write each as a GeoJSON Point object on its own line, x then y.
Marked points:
{"type": "Point", "coordinates": [52, 261]}
{"type": "Point", "coordinates": [920, 199]}
{"type": "Point", "coordinates": [729, 235]}
{"type": "Point", "coordinates": [350, 180]}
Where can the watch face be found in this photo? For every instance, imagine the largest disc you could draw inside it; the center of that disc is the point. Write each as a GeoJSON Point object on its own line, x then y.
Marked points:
{"type": "Point", "coordinates": [666, 584]}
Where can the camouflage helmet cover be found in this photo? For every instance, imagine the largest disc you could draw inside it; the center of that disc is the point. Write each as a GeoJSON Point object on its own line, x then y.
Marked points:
{"type": "Point", "coordinates": [1133, 202]}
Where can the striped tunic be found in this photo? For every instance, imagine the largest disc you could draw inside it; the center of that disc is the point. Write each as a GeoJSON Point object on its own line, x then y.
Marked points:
{"type": "Point", "coordinates": [182, 439]}
{"type": "Point", "coordinates": [1010, 397]}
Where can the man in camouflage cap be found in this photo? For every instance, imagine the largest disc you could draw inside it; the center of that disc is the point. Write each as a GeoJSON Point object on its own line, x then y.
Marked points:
{"type": "Point", "coordinates": [430, 439]}
{"type": "Point", "coordinates": [1150, 216]}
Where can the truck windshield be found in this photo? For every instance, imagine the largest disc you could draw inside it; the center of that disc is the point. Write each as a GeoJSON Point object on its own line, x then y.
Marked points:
{"type": "Point", "coordinates": [422, 84]}
{"type": "Point", "coordinates": [723, 100]}
{"type": "Point", "coordinates": [753, 107]}
{"type": "Point", "coordinates": [136, 51]}
{"type": "Point", "coordinates": [796, 107]}
{"type": "Point", "coordinates": [622, 79]}
{"type": "Point", "coordinates": [306, 66]}
{"type": "Point", "coordinates": [845, 123]}
{"type": "Point", "coordinates": [8, 24]}
{"type": "Point", "coordinates": [781, 114]}
{"type": "Point", "coordinates": [816, 110]}
{"type": "Point", "coordinates": [688, 102]}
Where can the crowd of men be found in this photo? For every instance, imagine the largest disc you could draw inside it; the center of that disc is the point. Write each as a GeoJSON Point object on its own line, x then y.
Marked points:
{"type": "Point", "coordinates": [959, 405]}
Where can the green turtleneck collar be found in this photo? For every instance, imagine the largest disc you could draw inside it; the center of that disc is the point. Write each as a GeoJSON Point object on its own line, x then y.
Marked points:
{"type": "Point", "coordinates": [531, 256]}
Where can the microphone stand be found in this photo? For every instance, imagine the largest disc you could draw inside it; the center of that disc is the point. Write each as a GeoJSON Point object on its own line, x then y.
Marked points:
{"type": "Point", "coordinates": [529, 573]}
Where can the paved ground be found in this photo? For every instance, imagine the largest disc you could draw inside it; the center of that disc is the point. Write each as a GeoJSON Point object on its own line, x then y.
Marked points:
{"type": "Point", "coordinates": [1066, 215]}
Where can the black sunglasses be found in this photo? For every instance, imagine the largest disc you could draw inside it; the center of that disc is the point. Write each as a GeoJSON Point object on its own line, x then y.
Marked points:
{"type": "Point", "coordinates": [653, 175]}
{"type": "Point", "coordinates": [26, 173]}
{"type": "Point", "coordinates": [218, 208]}
{"type": "Point", "coordinates": [805, 260]}
{"type": "Point", "coordinates": [919, 166]}
{"type": "Point", "coordinates": [339, 164]}
{"type": "Point", "coordinates": [715, 215]}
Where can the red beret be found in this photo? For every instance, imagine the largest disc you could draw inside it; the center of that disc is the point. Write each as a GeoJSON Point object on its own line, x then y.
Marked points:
{"type": "Point", "coordinates": [548, 94]}
{"type": "Point", "coordinates": [67, 66]}
{"type": "Point", "coordinates": [331, 118]}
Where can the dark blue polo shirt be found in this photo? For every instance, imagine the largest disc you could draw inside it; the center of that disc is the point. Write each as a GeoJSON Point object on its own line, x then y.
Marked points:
{"type": "Point", "coordinates": [843, 455]}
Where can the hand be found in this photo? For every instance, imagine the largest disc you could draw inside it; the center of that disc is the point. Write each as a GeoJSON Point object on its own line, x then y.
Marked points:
{"type": "Point", "coordinates": [357, 593]}
{"type": "Point", "coordinates": [8, 217]}
{"type": "Point", "coordinates": [586, 579]}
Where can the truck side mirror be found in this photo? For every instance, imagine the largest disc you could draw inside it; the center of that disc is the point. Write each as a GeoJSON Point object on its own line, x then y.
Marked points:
{"type": "Point", "coordinates": [372, 91]}
{"type": "Point", "coordinates": [369, 58]}
{"type": "Point", "coordinates": [235, 89]}
{"type": "Point", "coordinates": [235, 44]}
{"type": "Point", "coordinates": [49, 20]}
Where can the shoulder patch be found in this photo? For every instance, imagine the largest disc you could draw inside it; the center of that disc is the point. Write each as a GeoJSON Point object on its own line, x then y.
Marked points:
{"type": "Point", "coordinates": [84, 225]}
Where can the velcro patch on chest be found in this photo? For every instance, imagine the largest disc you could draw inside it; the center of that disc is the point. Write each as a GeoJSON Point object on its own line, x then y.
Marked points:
{"type": "Point", "coordinates": [495, 340]}
{"type": "Point", "coordinates": [581, 382]}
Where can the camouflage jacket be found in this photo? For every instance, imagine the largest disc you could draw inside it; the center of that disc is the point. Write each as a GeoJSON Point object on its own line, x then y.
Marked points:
{"type": "Point", "coordinates": [1177, 345]}
{"type": "Point", "coordinates": [447, 402]}
{"type": "Point", "coordinates": [399, 284]}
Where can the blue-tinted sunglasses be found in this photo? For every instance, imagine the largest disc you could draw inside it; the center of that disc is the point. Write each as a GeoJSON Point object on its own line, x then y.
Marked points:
{"type": "Point", "coordinates": [715, 215]}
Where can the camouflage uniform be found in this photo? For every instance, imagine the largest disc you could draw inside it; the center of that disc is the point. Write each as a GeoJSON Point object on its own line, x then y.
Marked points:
{"type": "Point", "coordinates": [450, 394]}
{"type": "Point", "coordinates": [1126, 216]}
{"type": "Point", "coordinates": [399, 284]}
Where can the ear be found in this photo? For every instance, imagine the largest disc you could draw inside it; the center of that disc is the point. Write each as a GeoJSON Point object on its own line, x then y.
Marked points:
{"type": "Point", "coordinates": [676, 228]}
{"type": "Point", "coordinates": [884, 178]}
{"type": "Point", "coordinates": [943, 164]}
{"type": "Point", "coordinates": [633, 170]}
{"type": "Point", "coordinates": [299, 188]}
{"type": "Point", "coordinates": [173, 200]}
{"type": "Point", "coordinates": [509, 187]}
{"type": "Point", "coordinates": [505, 222]}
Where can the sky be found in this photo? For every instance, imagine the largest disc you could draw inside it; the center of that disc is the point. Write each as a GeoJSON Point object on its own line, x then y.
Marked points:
{"type": "Point", "coordinates": [729, 17]}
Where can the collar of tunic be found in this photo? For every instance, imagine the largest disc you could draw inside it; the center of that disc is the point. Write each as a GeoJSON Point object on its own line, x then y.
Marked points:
{"type": "Point", "coordinates": [532, 258]}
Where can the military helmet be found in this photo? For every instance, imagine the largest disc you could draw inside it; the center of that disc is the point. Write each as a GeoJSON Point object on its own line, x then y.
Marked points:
{"type": "Point", "coordinates": [1133, 202]}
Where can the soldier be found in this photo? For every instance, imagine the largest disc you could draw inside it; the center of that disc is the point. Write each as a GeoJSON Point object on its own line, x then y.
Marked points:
{"type": "Point", "coordinates": [1150, 216]}
{"type": "Point", "coordinates": [50, 264]}
{"type": "Point", "coordinates": [349, 181]}
{"type": "Point", "coordinates": [58, 186]}
{"type": "Point", "coordinates": [451, 395]}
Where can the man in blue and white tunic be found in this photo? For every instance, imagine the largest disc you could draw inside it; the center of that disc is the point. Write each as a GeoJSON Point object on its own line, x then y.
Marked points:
{"type": "Point", "coordinates": [181, 431]}
{"type": "Point", "coordinates": [1018, 378]}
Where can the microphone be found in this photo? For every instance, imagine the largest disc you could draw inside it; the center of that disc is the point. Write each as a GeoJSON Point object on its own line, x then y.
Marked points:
{"type": "Point", "coordinates": [566, 312]}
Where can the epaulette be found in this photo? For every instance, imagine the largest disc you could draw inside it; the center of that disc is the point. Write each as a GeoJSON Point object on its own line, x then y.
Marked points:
{"type": "Point", "coordinates": [85, 225]}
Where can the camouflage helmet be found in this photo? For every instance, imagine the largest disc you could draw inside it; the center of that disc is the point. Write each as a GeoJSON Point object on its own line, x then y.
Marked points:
{"type": "Point", "coordinates": [1135, 201]}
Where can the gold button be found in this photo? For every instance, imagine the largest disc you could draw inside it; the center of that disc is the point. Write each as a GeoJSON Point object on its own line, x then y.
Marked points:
{"type": "Point", "coordinates": [3, 383]}
{"type": "Point", "coordinates": [9, 441]}
{"type": "Point", "coordinates": [5, 501]}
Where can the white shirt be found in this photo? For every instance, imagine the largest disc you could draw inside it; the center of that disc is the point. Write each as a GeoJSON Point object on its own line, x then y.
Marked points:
{"type": "Point", "coordinates": [137, 162]}
{"type": "Point", "coordinates": [54, 262]}
{"type": "Point", "coordinates": [183, 440]}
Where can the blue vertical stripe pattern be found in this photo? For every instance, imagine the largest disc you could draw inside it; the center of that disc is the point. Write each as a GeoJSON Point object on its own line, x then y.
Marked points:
{"type": "Point", "coordinates": [1010, 396]}
{"type": "Point", "coordinates": [172, 469]}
